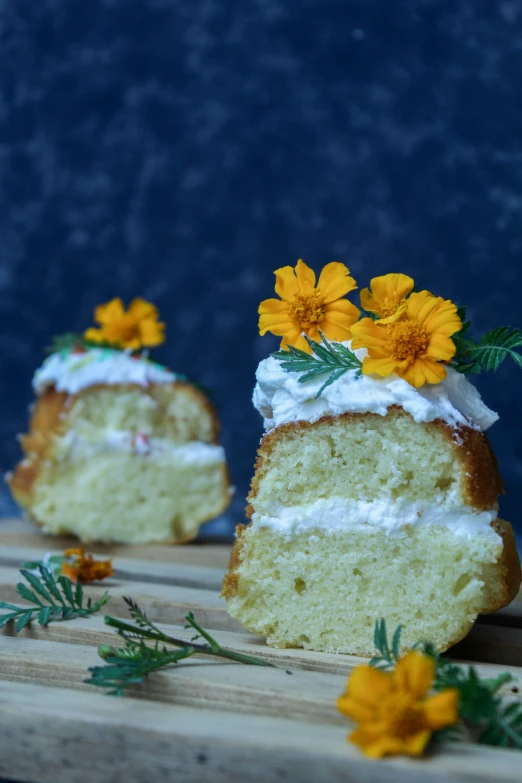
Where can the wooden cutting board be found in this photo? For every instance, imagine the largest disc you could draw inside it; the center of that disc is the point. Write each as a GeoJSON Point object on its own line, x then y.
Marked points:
{"type": "Point", "coordinates": [206, 719]}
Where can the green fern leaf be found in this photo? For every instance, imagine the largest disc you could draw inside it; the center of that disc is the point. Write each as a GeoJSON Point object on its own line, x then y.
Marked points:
{"type": "Point", "coordinates": [327, 358]}
{"type": "Point", "coordinates": [489, 352]}
{"type": "Point", "coordinates": [52, 599]}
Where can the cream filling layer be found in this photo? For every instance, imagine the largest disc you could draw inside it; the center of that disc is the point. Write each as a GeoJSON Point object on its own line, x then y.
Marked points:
{"type": "Point", "coordinates": [336, 514]}
{"type": "Point", "coordinates": [73, 447]}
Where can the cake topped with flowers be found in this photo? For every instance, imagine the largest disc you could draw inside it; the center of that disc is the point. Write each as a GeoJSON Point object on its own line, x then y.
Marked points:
{"type": "Point", "coordinates": [119, 447]}
{"type": "Point", "coordinates": [112, 353]}
{"type": "Point", "coordinates": [375, 493]}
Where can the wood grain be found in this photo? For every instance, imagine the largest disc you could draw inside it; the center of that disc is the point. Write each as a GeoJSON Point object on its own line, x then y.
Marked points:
{"type": "Point", "coordinates": [52, 737]}
{"type": "Point", "coordinates": [204, 719]}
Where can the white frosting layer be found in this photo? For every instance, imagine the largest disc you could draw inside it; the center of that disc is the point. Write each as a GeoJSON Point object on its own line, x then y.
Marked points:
{"type": "Point", "coordinates": [336, 514]}
{"type": "Point", "coordinates": [72, 372]}
{"type": "Point", "coordinates": [280, 398]}
{"type": "Point", "coordinates": [74, 447]}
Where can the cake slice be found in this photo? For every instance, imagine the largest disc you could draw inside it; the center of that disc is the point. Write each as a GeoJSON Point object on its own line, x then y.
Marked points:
{"type": "Point", "coordinates": [318, 565]}
{"type": "Point", "coordinates": [372, 498]}
{"type": "Point", "coordinates": [119, 449]}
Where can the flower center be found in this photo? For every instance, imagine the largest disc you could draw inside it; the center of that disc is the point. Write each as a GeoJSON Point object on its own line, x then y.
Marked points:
{"type": "Point", "coordinates": [407, 339]}
{"type": "Point", "coordinates": [387, 308]}
{"type": "Point", "coordinates": [306, 309]}
{"type": "Point", "coordinates": [124, 329]}
{"type": "Point", "coordinates": [405, 718]}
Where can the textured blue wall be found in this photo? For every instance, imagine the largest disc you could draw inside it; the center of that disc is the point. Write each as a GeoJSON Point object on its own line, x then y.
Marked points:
{"type": "Point", "coordinates": [184, 150]}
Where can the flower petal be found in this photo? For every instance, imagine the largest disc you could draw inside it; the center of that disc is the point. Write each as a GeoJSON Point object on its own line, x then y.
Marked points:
{"type": "Point", "coordinates": [335, 332]}
{"type": "Point", "coordinates": [414, 673]}
{"type": "Point", "coordinates": [424, 371]}
{"type": "Point", "coordinates": [295, 338]}
{"type": "Point", "coordinates": [420, 305]}
{"type": "Point", "coordinates": [412, 373]}
{"type": "Point", "coordinates": [384, 366]}
{"type": "Point", "coordinates": [355, 709]}
{"type": "Point", "coordinates": [442, 709]}
{"type": "Point", "coordinates": [94, 335]}
{"type": "Point", "coordinates": [368, 685]}
{"type": "Point", "coordinates": [335, 281]}
{"type": "Point", "coordinates": [139, 308]}
{"type": "Point", "coordinates": [286, 285]}
{"type": "Point", "coordinates": [376, 748]}
{"type": "Point", "coordinates": [444, 320]}
{"type": "Point", "coordinates": [389, 288]}
{"type": "Point", "coordinates": [271, 306]}
{"type": "Point", "coordinates": [274, 318]}
{"type": "Point", "coordinates": [336, 325]}
{"type": "Point", "coordinates": [301, 344]}
{"type": "Point", "coordinates": [305, 277]}
{"type": "Point", "coordinates": [70, 571]}
{"type": "Point", "coordinates": [344, 308]}
{"type": "Point", "coordinates": [313, 332]}
{"type": "Point", "coordinates": [434, 372]}
{"type": "Point", "coordinates": [132, 343]}
{"type": "Point", "coordinates": [416, 743]}
{"type": "Point", "coordinates": [151, 332]}
{"type": "Point", "coordinates": [441, 347]}
{"type": "Point", "coordinates": [111, 311]}
{"type": "Point", "coordinates": [367, 334]}
{"type": "Point", "coordinates": [396, 316]}
{"type": "Point", "coordinates": [367, 300]}
{"type": "Point", "coordinates": [279, 328]}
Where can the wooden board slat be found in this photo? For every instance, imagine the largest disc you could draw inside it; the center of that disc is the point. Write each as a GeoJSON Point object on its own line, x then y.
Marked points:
{"type": "Point", "coordinates": [104, 740]}
{"type": "Point", "coordinates": [131, 569]}
{"type": "Point", "coordinates": [205, 719]}
{"type": "Point", "coordinates": [251, 689]}
{"type": "Point", "coordinates": [290, 690]}
{"type": "Point", "coordinates": [22, 533]}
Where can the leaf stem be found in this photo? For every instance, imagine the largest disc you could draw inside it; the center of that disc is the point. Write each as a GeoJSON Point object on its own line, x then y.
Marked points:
{"type": "Point", "coordinates": [212, 648]}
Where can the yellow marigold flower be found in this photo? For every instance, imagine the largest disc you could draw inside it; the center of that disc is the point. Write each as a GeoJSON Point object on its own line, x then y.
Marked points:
{"type": "Point", "coordinates": [85, 568]}
{"type": "Point", "coordinates": [394, 712]}
{"type": "Point", "coordinates": [135, 328]}
{"type": "Point", "coordinates": [414, 344]}
{"type": "Point", "coordinates": [386, 294]}
{"type": "Point", "coordinates": [307, 308]}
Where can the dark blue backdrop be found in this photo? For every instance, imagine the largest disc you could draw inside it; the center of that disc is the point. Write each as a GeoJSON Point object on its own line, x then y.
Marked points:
{"type": "Point", "coordinates": [183, 150]}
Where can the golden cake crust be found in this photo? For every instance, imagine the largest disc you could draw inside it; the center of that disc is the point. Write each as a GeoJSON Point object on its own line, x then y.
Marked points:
{"type": "Point", "coordinates": [482, 484]}
{"type": "Point", "coordinates": [231, 579]}
{"type": "Point", "coordinates": [49, 418]}
{"type": "Point", "coordinates": [508, 566]}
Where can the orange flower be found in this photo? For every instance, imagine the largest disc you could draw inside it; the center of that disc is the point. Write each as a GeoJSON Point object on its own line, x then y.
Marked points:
{"type": "Point", "coordinates": [414, 343]}
{"type": "Point", "coordinates": [394, 712]}
{"type": "Point", "coordinates": [307, 308]}
{"type": "Point", "coordinates": [386, 294]}
{"type": "Point", "coordinates": [85, 568]}
{"type": "Point", "coordinates": [136, 328]}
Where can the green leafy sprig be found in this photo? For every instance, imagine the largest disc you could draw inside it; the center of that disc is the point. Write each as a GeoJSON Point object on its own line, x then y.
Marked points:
{"type": "Point", "coordinates": [53, 563]}
{"type": "Point", "coordinates": [484, 714]}
{"type": "Point", "coordinates": [129, 665]}
{"type": "Point", "coordinates": [388, 654]}
{"type": "Point", "coordinates": [70, 340]}
{"type": "Point", "coordinates": [52, 598]}
{"type": "Point", "coordinates": [332, 359]}
{"type": "Point", "coordinates": [488, 353]}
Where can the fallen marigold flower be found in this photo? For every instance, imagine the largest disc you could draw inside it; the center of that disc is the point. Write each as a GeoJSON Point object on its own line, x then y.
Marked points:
{"type": "Point", "coordinates": [394, 712]}
{"type": "Point", "coordinates": [84, 568]}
